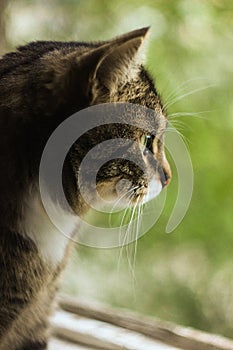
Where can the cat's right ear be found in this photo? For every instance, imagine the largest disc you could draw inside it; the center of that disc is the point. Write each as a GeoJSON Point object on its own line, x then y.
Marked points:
{"type": "Point", "coordinates": [98, 72]}
{"type": "Point", "coordinates": [113, 63]}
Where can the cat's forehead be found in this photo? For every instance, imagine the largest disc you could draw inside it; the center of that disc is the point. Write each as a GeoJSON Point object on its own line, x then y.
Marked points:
{"type": "Point", "coordinates": [148, 108]}
{"type": "Point", "coordinates": [132, 119]}
{"type": "Point", "coordinates": [153, 121]}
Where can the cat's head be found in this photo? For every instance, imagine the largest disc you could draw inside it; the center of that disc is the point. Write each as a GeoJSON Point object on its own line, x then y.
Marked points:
{"type": "Point", "coordinates": [116, 74]}
{"type": "Point", "coordinates": [49, 81]}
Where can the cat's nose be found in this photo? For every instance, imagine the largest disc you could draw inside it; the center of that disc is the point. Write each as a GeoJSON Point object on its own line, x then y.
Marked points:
{"type": "Point", "coordinates": [167, 179]}
{"type": "Point", "coordinates": [165, 173]}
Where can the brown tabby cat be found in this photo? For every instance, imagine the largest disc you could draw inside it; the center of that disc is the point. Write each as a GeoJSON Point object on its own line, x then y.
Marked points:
{"type": "Point", "coordinates": [41, 84]}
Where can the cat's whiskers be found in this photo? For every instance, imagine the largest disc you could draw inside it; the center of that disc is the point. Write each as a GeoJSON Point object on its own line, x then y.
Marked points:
{"type": "Point", "coordinates": [179, 125]}
{"type": "Point", "coordinates": [176, 99]}
{"type": "Point", "coordinates": [181, 87]}
{"type": "Point", "coordinates": [173, 129]}
{"type": "Point", "coordinates": [130, 237]}
{"type": "Point", "coordinates": [140, 207]}
{"type": "Point", "coordinates": [118, 201]}
{"type": "Point", "coordinates": [128, 211]}
{"type": "Point", "coordinates": [188, 114]}
{"type": "Point", "coordinates": [121, 244]}
{"type": "Point", "coordinates": [152, 203]}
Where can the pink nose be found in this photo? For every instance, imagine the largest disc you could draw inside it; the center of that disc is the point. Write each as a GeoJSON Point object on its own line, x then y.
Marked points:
{"type": "Point", "coordinates": [167, 172]}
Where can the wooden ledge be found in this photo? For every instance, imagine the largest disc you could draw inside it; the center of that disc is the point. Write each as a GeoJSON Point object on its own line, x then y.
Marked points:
{"type": "Point", "coordinates": [97, 326]}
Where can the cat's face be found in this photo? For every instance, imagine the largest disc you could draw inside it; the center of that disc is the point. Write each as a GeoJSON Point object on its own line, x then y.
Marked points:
{"type": "Point", "coordinates": [143, 170]}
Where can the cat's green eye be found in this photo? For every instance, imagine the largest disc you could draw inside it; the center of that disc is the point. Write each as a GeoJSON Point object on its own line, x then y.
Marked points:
{"type": "Point", "coordinates": [147, 142]}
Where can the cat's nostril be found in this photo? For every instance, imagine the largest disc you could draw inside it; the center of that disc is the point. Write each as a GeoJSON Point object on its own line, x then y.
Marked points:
{"type": "Point", "coordinates": [165, 178]}
{"type": "Point", "coordinates": [166, 173]}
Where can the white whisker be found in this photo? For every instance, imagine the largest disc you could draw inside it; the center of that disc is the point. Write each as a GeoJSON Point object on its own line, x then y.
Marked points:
{"type": "Point", "coordinates": [182, 86]}
{"type": "Point", "coordinates": [132, 239]}
{"type": "Point", "coordinates": [177, 131]}
{"type": "Point", "coordinates": [188, 114]}
{"type": "Point", "coordinates": [137, 234]}
{"type": "Point", "coordinates": [126, 212]}
{"type": "Point", "coordinates": [180, 124]}
{"type": "Point", "coordinates": [121, 244]}
{"type": "Point", "coordinates": [117, 202]}
{"type": "Point", "coordinates": [169, 104]}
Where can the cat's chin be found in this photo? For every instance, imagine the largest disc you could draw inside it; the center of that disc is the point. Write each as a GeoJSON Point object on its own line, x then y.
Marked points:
{"type": "Point", "coordinates": [154, 189]}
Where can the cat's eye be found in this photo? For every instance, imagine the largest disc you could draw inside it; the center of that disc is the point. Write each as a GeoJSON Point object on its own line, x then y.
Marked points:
{"type": "Point", "coordinates": [147, 143]}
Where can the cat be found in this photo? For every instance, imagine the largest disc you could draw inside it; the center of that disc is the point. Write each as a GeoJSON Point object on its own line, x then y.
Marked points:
{"type": "Point", "coordinates": [42, 84]}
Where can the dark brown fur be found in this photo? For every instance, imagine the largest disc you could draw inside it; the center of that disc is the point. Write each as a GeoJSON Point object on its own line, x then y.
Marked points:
{"type": "Point", "coordinates": [41, 84]}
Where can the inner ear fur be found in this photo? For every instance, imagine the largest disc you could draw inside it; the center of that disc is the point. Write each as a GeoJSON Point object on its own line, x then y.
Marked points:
{"type": "Point", "coordinates": [115, 62]}
{"type": "Point", "coordinates": [102, 68]}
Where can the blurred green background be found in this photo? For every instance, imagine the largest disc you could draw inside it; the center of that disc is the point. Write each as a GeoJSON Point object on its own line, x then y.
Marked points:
{"type": "Point", "coordinates": [186, 276]}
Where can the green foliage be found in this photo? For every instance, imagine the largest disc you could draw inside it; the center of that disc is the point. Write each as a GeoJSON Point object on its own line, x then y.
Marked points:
{"type": "Point", "coordinates": [187, 276]}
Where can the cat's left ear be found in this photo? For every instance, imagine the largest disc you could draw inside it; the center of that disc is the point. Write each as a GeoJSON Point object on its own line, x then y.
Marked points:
{"type": "Point", "coordinates": [116, 61]}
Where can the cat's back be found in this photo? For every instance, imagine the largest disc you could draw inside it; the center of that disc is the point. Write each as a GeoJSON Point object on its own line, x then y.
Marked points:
{"type": "Point", "coordinates": [29, 54]}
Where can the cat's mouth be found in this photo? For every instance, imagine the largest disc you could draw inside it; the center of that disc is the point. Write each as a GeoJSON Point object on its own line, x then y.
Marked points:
{"type": "Point", "coordinates": [123, 193]}
{"type": "Point", "coordinates": [144, 194]}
